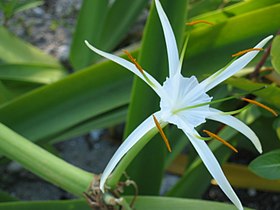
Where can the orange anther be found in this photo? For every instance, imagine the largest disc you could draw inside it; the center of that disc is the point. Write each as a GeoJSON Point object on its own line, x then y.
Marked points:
{"type": "Point", "coordinates": [199, 21]}
{"type": "Point", "coordinates": [133, 60]}
{"type": "Point", "coordinates": [261, 105]}
{"type": "Point", "coordinates": [162, 134]}
{"type": "Point", "coordinates": [212, 135]}
{"type": "Point", "coordinates": [245, 51]}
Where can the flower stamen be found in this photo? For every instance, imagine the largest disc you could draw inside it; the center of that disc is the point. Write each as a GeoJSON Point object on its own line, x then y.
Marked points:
{"type": "Point", "coordinates": [261, 105]}
{"type": "Point", "coordinates": [199, 21]}
{"type": "Point", "coordinates": [214, 136]}
{"type": "Point", "coordinates": [245, 51]}
{"type": "Point", "coordinates": [133, 60]}
{"type": "Point", "coordinates": [137, 65]}
{"type": "Point", "coordinates": [162, 134]}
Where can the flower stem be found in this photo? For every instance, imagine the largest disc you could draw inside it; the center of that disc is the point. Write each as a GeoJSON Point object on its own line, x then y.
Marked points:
{"type": "Point", "coordinates": [121, 167]}
{"type": "Point", "coordinates": [43, 163]}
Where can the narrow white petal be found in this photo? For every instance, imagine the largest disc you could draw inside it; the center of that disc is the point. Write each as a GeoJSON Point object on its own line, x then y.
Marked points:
{"type": "Point", "coordinates": [237, 65]}
{"type": "Point", "coordinates": [212, 165]}
{"type": "Point", "coordinates": [237, 125]}
{"type": "Point", "coordinates": [171, 45]}
{"type": "Point", "coordinates": [215, 170]}
{"type": "Point", "coordinates": [129, 142]}
{"type": "Point", "coordinates": [128, 65]}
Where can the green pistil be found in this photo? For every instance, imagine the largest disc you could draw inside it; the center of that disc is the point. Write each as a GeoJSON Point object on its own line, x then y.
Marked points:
{"type": "Point", "coordinates": [237, 111]}
{"type": "Point", "coordinates": [203, 138]}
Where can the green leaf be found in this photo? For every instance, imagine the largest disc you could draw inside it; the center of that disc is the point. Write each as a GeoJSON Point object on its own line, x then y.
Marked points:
{"type": "Point", "coordinates": [103, 25]}
{"type": "Point", "coordinates": [35, 73]}
{"type": "Point", "coordinates": [222, 14]}
{"type": "Point", "coordinates": [71, 101]}
{"type": "Point", "coordinates": [267, 165]}
{"type": "Point", "coordinates": [48, 166]}
{"type": "Point", "coordinates": [89, 26]}
{"type": "Point", "coordinates": [13, 50]}
{"type": "Point", "coordinates": [214, 45]}
{"type": "Point", "coordinates": [202, 7]}
{"type": "Point", "coordinates": [142, 203]}
{"type": "Point", "coordinates": [8, 8]}
{"type": "Point", "coordinates": [26, 5]}
{"type": "Point", "coordinates": [277, 127]}
{"type": "Point", "coordinates": [165, 203]}
{"type": "Point", "coordinates": [45, 205]}
{"type": "Point", "coordinates": [119, 20]}
{"type": "Point", "coordinates": [144, 102]}
{"type": "Point", "coordinates": [270, 93]}
{"type": "Point", "coordinates": [105, 120]}
{"type": "Point", "coordinates": [275, 53]}
{"type": "Point", "coordinates": [5, 197]}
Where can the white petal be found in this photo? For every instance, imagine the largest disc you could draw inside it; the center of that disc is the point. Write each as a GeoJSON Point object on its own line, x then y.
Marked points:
{"type": "Point", "coordinates": [128, 65]}
{"type": "Point", "coordinates": [212, 165]}
{"type": "Point", "coordinates": [215, 170]}
{"type": "Point", "coordinates": [129, 142]}
{"type": "Point", "coordinates": [237, 125]}
{"type": "Point", "coordinates": [171, 45]}
{"type": "Point", "coordinates": [237, 65]}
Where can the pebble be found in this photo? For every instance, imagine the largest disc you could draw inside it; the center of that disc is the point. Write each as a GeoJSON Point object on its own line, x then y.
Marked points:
{"type": "Point", "coordinates": [252, 192]}
{"type": "Point", "coordinates": [14, 167]}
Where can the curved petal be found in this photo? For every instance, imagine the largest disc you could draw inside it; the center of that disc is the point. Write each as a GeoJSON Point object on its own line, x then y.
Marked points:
{"type": "Point", "coordinates": [128, 65]}
{"type": "Point", "coordinates": [234, 67]}
{"type": "Point", "coordinates": [129, 142]}
{"type": "Point", "coordinates": [237, 125]}
{"type": "Point", "coordinates": [212, 165]}
{"type": "Point", "coordinates": [171, 45]}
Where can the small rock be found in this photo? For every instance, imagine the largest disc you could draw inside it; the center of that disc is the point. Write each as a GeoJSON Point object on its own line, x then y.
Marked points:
{"type": "Point", "coordinates": [38, 12]}
{"type": "Point", "coordinates": [252, 192]}
{"type": "Point", "coordinates": [14, 167]}
{"type": "Point", "coordinates": [63, 52]}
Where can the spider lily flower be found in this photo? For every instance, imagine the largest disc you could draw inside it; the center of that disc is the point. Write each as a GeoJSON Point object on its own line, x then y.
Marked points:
{"type": "Point", "coordinates": [184, 102]}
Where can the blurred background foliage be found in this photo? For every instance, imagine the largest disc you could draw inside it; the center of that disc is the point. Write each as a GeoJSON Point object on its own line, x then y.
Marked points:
{"type": "Point", "coordinates": [47, 101]}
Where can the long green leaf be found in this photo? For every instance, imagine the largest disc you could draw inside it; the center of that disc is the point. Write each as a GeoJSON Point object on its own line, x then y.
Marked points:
{"type": "Point", "coordinates": [43, 163]}
{"type": "Point", "coordinates": [35, 73]}
{"type": "Point", "coordinates": [104, 25]}
{"type": "Point", "coordinates": [214, 45]}
{"type": "Point", "coordinates": [142, 203]}
{"type": "Point", "coordinates": [222, 14]}
{"type": "Point", "coordinates": [70, 101]}
{"type": "Point", "coordinates": [120, 17]}
{"type": "Point", "coordinates": [26, 5]}
{"type": "Point", "coordinates": [14, 50]}
{"type": "Point", "coordinates": [275, 53]}
{"type": "Point", "coordinates": [267, 165]}
{"type": "Point", "coordinates": [89, 26]}
{"type": "Point", "coordinates": [270, 93]}
{"type": "Point", "coordinates": [106, 120]}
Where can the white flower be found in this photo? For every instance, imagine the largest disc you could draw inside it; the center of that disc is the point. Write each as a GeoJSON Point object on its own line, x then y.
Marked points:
{"type": "Point", "coordinates": [184, 103]}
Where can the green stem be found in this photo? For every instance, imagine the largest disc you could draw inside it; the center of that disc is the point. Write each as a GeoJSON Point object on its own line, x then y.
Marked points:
{"type": "Point", "coordinates": [43, 163]}
{"type": "Point", "coordinates": [121, 167]}
{"type": "Point", "coordinates": [124, 204]}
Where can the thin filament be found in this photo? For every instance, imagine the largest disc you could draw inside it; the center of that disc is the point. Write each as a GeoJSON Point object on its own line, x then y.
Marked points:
{"type": "Point", "coordinates": [162, 134]}
{"type": "Point", "coordinates": [261, 105]}
{"type": "Point", "coordinates": [133, 60]}
{"type": "Point", "coordinates": [214, 136]}
{"type": "Point", "coordinates": [199, 21]}
{"type": "Point", "coordinates": [245, 51]}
